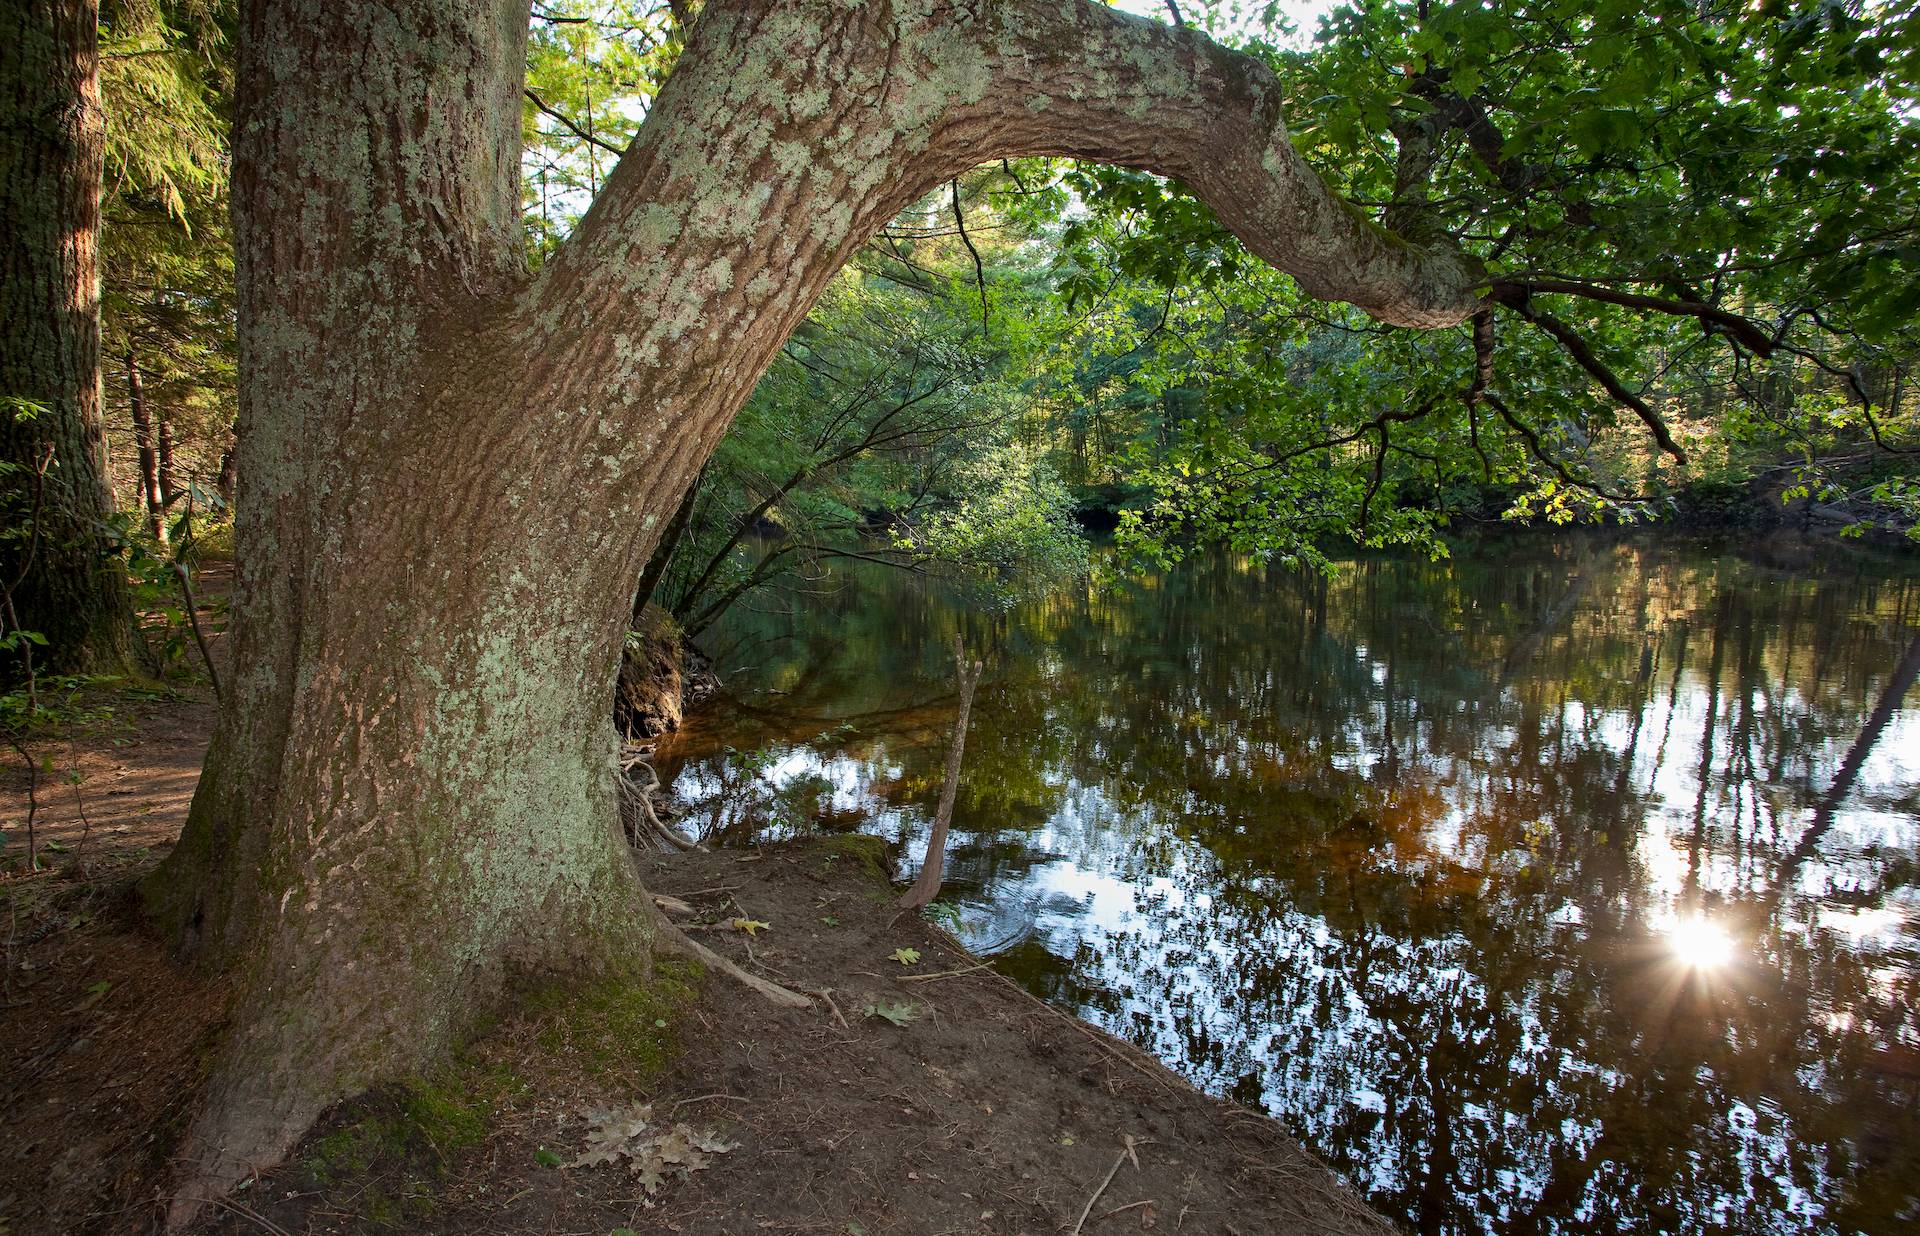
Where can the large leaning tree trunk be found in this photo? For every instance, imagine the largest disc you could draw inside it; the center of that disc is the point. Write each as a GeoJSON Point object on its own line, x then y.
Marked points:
{"type": "Point", "coordinates": [451, 474]}
{"type": "Point", "coordinates": [72, 588]}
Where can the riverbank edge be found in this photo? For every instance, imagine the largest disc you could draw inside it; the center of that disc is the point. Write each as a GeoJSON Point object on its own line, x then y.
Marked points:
{"type": "Point", "coordinates": [982, 1109]}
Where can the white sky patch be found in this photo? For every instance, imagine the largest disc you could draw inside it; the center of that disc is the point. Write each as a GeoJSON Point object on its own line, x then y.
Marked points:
{"type": "Point", "coordinates": [1230, 19]}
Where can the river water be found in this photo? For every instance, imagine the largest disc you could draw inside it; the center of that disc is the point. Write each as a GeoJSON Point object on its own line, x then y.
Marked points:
{"type": "Point", "coordinates": [1568, 885]}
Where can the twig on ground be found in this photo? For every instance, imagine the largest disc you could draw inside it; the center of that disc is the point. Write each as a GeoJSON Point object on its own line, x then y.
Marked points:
{"type": "Point", "coordinates": [928, 978]}
{"type": "Point", "coordinates": [826, 996]}
{"type": "Point", "coordinates": [1126, 1154]}
{"type": "Point", "coordinates": [707, 1098]}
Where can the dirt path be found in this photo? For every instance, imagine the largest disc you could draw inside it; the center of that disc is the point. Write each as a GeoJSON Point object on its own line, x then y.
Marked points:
{"type": "Point", "coordinates": [982, 1110]}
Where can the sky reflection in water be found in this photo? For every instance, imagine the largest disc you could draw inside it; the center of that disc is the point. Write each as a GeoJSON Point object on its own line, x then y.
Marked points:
{"type": "Point", "coordinates": [1566, 886]}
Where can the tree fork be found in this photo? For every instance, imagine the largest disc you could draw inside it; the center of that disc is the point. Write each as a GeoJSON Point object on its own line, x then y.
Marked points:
{"type": "Point", "coordinates": [451, 475]}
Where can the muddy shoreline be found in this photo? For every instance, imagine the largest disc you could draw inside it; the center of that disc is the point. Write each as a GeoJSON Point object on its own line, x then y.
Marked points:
{"type": "Point", "coordinates": [922, 1093]}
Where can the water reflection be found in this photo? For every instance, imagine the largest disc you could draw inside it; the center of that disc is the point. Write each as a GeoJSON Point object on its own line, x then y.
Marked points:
{"type": "Point", "coordinates": [1560, 887]}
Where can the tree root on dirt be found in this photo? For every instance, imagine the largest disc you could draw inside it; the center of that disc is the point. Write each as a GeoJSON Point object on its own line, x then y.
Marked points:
{"type": "Point", "coordinates": [642, 821]}
{"type": "Point", "coordinates": [672, 939]}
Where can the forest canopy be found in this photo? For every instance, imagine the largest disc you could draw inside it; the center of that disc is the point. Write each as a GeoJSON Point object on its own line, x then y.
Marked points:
{"type": "Point", "coordinates": [1698, 222]}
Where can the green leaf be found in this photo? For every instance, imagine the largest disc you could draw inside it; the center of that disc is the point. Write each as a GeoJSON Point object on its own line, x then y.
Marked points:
{"type": "Point", "coordinates": [897, 1012]}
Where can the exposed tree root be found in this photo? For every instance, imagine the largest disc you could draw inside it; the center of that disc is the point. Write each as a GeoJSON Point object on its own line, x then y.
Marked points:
{"type": "Point", "coordinates": [637, 811]}
{"type": "Point", "coordinates": [671, 939]}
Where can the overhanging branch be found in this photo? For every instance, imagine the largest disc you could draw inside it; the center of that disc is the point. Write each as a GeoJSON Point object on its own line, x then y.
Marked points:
{"type": "Point", "coordinates": [1584, 355]}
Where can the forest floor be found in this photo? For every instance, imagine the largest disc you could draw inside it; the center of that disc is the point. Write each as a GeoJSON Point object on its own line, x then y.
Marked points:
{"type": "Point", "coordinates": [923, 1092]}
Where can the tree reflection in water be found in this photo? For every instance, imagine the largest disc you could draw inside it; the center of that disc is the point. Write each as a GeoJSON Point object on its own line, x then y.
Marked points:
{"type": "Point", "coordinates": [1564, 886]}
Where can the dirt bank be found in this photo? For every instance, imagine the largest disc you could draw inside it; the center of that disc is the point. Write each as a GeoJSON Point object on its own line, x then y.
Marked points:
{"type": "Point", "coordinates": [922, 1094]}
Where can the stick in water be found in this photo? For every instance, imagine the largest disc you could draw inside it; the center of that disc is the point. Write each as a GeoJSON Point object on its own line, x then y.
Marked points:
{"type": "Point", "coordinates": [927, 887]}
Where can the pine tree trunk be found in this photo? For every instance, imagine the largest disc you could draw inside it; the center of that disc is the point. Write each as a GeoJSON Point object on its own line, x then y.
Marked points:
{"type": "Point", "coordinates": [74, 589]}
{"type": "Point", "coordinates": [143, 443]}
{"type": "Point", "coordinates": [229, 475]}
{"type": "Point", "coordinates": [451, 475]}
{"type": "Point", "coordinates": [169, 478]}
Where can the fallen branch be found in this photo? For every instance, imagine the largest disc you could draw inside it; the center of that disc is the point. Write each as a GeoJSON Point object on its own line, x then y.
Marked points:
{"type": "Point", "coordinates": [1125, 1155]}
{"type": "Point", "coordinates": [928, 978]}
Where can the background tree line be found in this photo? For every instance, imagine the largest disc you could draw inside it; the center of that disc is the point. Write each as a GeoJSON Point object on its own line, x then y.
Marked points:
{"type": "Point", "coordinates": [1705, 229]}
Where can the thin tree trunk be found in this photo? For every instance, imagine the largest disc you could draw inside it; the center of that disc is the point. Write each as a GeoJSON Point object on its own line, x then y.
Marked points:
{"type": "Point", "coordinates": [143, 443]}
{"type": "Point", "coordinates": [51, 156]}
{"type": "Point", "coordinates": [169, 477]}
{"type": "Point", "coordinates": [933, 866]}
{"type": "Point", "coordinates": [228, 478]}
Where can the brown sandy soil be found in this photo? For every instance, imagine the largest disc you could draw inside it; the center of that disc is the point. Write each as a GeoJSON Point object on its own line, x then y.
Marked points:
{"type": "Point", "coordinates": [986, 1111]}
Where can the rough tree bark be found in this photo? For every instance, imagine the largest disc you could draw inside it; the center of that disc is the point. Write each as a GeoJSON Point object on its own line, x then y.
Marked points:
{"type": "Point", "coordinates": [451, 475]}
{"type": "Point", "coordinates": [52, 151]}
{"type": "Point", "coordinates": [933, 867]}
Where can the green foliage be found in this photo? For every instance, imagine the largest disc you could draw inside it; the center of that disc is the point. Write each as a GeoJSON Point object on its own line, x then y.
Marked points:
{"type": "Point", "coordinates": [889, 429]}
{"type": "Point", "coordinates": [167, 294]}
{"type": "Point", "coordinates": [165, 73]}
{"type": "Point", "coordinates": [593, 66]}
{"type": "Point", "coordinates": [1762, 162]}
{"type": "Point", "coordinates": [1011, 519]}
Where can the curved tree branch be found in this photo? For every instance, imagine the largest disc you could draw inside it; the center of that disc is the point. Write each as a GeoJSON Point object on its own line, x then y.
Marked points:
{"type": "Point", "coordinates": [936, 90]}
{"type": "Point", "coordinates": [1098, 84]}
{"type": "Point", "coordinates": [1539, 451]}
{"type": "Point", "coordinates": [1584, 355]}
{"type": "Point", "coordinates": [1743, 331]}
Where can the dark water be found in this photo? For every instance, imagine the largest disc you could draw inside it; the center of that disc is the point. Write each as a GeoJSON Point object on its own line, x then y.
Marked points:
{"type": "Point", "coordinates": [1565, 886]}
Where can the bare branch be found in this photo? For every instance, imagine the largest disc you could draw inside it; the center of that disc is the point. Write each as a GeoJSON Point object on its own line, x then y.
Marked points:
{"type": "Point", "coordinates": [1540, 452]}
{"type": "Point", "coordinates": [979, 270]}
{"type": "Point", "coordinates": [546, 109]}
{"type": "Point", "coordinates": [1584, 355]}
{"type": "Point", "coordinates": [1743, 331]}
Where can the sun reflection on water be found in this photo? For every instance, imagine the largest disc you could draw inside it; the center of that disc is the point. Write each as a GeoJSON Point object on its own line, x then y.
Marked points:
{"type": "Point", "coordinates": [1699, 943]}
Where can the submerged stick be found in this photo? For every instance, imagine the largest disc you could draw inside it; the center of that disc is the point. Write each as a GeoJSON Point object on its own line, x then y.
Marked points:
{"type": "Point", "coordinates": [932, 869]}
